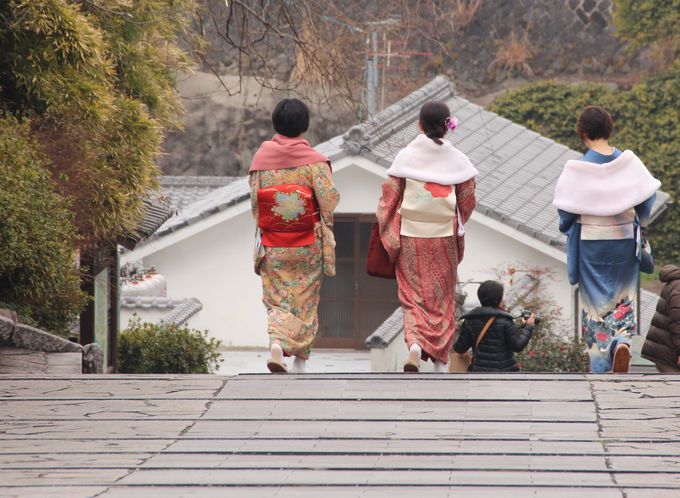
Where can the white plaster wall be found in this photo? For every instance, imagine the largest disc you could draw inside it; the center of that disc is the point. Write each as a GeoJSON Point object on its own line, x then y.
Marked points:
{"type": "Point", "coordinates": [215, 266]}
{"type": "Point", "coordinates": [359, 190]}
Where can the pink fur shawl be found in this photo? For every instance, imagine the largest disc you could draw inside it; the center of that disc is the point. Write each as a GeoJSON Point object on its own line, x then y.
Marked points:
{"type": "Point", "coordinates": [604, 189]}
{"type": "Point", "coordinates": [426, 161]}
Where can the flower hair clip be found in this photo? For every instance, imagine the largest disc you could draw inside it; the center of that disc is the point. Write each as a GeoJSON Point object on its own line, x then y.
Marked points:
{"type": "Point", "coordinates": [452, 122]}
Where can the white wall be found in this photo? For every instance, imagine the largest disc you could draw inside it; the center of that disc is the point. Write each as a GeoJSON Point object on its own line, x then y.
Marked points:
{"type": "Point", "coordinates": [215, 266]}
{"type": "Point", "coordinates": [359, 190]}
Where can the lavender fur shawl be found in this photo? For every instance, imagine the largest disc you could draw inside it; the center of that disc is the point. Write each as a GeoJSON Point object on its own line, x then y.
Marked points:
{"type": "Point", "coordinates": [604, 189]}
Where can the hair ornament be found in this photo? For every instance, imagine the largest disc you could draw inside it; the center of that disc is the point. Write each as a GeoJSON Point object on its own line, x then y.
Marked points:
{"type": "Point", "coordinates": [452, 122]}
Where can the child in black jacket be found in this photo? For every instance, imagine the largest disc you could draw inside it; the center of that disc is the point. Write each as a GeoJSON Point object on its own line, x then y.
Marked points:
{"type": "Point", "coordinates": [503, 338]}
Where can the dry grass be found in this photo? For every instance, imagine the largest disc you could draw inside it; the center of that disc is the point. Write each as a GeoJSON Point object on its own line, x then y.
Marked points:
{"type": "Point", "coordinates": [464, 12]}
{"type": "Point", "coordinates": [514, 55]}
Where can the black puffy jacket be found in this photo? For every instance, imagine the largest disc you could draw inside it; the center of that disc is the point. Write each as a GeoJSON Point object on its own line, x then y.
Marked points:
{"type": "Point", "coordinates": [662, 344]}
{"type": "Point", "coordinates": [495, 352]}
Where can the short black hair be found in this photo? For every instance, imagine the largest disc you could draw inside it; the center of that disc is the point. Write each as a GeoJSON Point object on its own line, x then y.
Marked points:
{"type": "Point", "coordinates": [433, 117]}
{"type": "Point", "coordinates": [290, 118]}
{"type": "Point", "coordinates": [594, 122]}
{"type": "Point", "coordinates": [490, 293]}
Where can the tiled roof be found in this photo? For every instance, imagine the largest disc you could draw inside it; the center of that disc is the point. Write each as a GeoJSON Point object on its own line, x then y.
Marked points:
{"type": "Point", "coordinates": [182, 191]}
{"type": "Point", "coordinates": [156, 212]}
{"type": "Point", "coordinates": [180, 310]}
{"type": "Point", "coordinates": [387, 332]}
{"type": "Point", "coordinates": [518, 167]}
{"type": "Point", "coordinates": [648, 301]}
{"type": "Point", "coordinates": [217, 200]}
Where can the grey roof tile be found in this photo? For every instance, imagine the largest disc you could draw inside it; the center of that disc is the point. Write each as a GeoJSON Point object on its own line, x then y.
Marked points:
{"type": "Point", "coordinates": [184, 190]}
{"type": "Point", "coordinates": [180, 310]}
{"type": "Point", "coordinates": [648, 301]}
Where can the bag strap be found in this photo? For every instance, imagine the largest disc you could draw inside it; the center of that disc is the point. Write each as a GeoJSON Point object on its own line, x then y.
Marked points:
{"type": "Point", "coordinates": [483, 332]}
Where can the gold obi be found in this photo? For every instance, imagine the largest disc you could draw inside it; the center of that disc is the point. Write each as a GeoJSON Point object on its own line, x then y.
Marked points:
{"type": "Point", "coordinates": [428, 209]}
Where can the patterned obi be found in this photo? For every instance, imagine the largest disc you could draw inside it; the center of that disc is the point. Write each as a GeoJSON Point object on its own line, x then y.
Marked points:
{"type": "Point", "coordinates": [287, 214]}
{"type": "Point", "coordinates": [427, 210]}
{"type": "Point", "coordinates": [618, 227]}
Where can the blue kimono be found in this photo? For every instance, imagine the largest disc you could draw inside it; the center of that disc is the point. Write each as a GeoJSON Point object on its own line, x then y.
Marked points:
{"type": "Point", "coordinates": [603, 258]}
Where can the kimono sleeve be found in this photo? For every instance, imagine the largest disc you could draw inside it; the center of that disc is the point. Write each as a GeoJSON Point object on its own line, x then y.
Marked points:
{"type": "Point", "coordinates": [644, 210]}
{"type": "Point", "coordinates": [254, 182]}
{"type": "Point", "coordinates": [466, 199]}
{"type": "Point", "coordinates": [327, 196]}
{"type": "Point", "coordinates": [389, 219]}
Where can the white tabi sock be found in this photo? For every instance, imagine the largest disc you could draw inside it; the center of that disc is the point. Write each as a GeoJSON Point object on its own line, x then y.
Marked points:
{"type": "Point", "coordinates": [277, 352]}
{"type": "Point", "coordinates": [441, 367]}
{"type": "Point", "coordinates": [299, 365]}
{"type": "Point", "coordinates": [414, 353]}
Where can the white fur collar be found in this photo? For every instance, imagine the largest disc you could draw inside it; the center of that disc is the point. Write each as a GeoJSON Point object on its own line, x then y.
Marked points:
{"type": "Point", "coordinates": [604, 189]}
{"type": "Point", "coordinates": [426, 161]}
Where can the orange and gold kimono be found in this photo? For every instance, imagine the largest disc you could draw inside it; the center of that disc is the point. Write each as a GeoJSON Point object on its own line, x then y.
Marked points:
{"type": "Point", "coordinates": [292, 276]}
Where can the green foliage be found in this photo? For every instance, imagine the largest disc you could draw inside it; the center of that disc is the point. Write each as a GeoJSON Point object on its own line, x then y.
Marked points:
{"type": "Point", "coordinates": [96, 79]}
{"type": "Point", "coordinates": [167, 348]}
{"type": "Point", "coordinates": [645, 119]}
{"type": "Point", "coordinates": [38, 276]}
{"type": "Point", "coordinates": [550, 108]}
{"type": "Point", "coordinates": [642, 22]}
{"type": "Point", "coordinates": [552, 347]}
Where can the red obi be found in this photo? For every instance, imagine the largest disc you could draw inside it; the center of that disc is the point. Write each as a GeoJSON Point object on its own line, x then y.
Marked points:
{"type": "Point", "coordinates": [287, 215]}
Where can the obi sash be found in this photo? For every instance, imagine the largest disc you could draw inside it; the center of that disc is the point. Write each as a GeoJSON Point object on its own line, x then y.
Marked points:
{"type": "Point", "coordinates": [427, 209]}
{"type": "Point", "coordinates": [287, 214]}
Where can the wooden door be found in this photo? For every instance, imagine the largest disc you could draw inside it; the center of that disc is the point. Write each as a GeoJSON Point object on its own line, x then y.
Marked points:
{"type": "Point", "coordinates": [353, 304]}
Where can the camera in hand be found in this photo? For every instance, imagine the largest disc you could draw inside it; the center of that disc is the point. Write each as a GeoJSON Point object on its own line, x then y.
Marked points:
{"type": "Point", "coordinates": [525, 314]}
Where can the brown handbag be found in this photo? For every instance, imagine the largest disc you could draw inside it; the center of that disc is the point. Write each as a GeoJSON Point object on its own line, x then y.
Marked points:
{"type": "Point", "coordinates": [378, 263]}
{"type": "Point", "coordinates": [461, 362]}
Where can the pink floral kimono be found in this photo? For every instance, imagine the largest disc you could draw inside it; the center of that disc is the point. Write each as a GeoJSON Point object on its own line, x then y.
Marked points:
{"type": "Point", "coordinates": [429, 195]}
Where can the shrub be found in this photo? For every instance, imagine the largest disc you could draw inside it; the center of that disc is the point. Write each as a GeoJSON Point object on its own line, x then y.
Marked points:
{"type": "Point", "coordinates": [38, 275]}
{"type": "Point", "coordinates": [166, 348]}
{"type": "Point", "coordinates": [645, 121]}
{"type": "Point", "coordinates": [548, 352]}
{"type": "Point", "coordinates": [649, 22]}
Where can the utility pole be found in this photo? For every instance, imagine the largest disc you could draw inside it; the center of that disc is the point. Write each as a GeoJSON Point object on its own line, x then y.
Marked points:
{"type": "Point", "coordinates": [372, 79]}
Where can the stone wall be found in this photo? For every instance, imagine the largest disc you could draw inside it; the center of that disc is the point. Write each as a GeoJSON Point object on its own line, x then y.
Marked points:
{"type": "Point", "coordinates": [28, 350]}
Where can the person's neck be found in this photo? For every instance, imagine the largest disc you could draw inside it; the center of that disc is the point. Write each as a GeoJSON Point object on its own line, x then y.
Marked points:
{"type": "Point", "coordinates": [600, 145]}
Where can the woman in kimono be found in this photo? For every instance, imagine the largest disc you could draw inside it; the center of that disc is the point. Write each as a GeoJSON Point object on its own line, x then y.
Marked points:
{"type": "Point", "coordinates": [292, 197]}
{"type": "Point", "coordinates": [429, 194]}
{"type": "Point", "coordinates": [604, 200]}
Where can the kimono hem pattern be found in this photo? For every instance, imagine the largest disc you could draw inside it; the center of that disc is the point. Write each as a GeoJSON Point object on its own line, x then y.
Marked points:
{"type": "Point", "coordinates": [292, 276]}
{"type": "Point", "coordinates": [426, 266]}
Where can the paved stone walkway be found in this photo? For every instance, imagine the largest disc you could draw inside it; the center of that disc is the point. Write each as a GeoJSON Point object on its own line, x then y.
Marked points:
{"type": "Point", "coordinates": [340, 435]}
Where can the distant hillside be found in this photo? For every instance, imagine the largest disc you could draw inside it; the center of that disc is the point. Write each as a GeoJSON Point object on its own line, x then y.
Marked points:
{"type": "Point", "coordinates": [502, 44]}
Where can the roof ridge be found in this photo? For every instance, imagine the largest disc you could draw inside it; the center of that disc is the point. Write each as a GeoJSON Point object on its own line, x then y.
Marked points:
{"type": "Point", "coordinates": [391, 119]}
{"type": "Point", "coordinates": [195, 181]}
